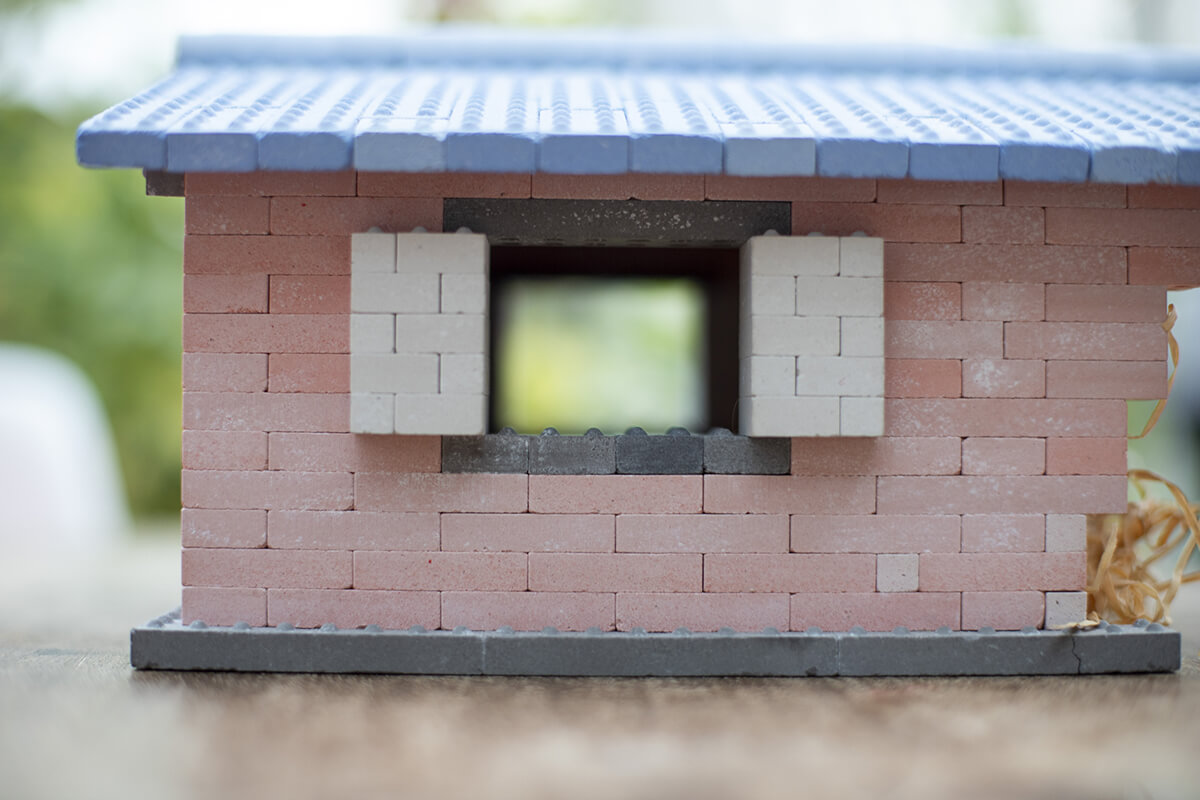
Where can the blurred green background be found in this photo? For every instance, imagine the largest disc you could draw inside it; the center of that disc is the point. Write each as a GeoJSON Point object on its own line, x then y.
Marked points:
{"type": "Point", "coordinates": [90, 267]}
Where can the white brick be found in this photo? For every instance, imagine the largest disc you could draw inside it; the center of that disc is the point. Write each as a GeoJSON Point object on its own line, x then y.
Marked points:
{"type": "Point", "coordinates": [1065, 607]}
{"type": "Point", "coordinates": [441, 333]}
{"type": "Point", "coordinates": [862, 336]}
{"type": "Point", "coordinates": [839, 376]}
{"type": "Point", "coordinates": [896, 573]}
{"type": "Point", "coordinates": [442, 253]}
{"type": "Point", "coordinates": [464, 373]}
{"type": "Point", "coordinates": [790, 336]}
{"type": "Point", "coordinates": [464, 294]}
{"type": "Point", "coordinates": [372, 333]}
{"type": "Point", "coordinates": [862, 416]}
{"type": "Point", "coordinates": [395, 374]}
{"type": "Point", "coordinates": [843, 297]}
{"type": "Point", "coordinates": [791, 255]}
{"type": "Point", "coordinates": [372, 252]}
{"type": "Point", "coordinates": [769, 294]}
{"type": "Point", "coordinates": [372, 413]}
{"type": "Point", "coordinates": [788, 416]}
{"type": "Point", "coordinates": [862, 256]}
{"type": "Point", "coordinates": [394, 293]}
{"type": "Point", "coordinates": [773, 376]}
{"type": "Point", "coordinates": [445, 414]}
{"type": "Point", "coordinates": [1066, 533]}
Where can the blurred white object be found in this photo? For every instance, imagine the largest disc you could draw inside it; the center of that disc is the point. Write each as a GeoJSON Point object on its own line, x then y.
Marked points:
{"type": "Point", "coordinates": [60, 484]}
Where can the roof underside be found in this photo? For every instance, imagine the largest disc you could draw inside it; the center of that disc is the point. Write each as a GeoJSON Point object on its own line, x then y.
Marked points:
{"type": "Point", "coordinates": [478, 102]}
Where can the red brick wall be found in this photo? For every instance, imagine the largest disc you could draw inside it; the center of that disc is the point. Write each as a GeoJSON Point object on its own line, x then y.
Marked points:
{"type": "Point", "coordinates": [1019, 319]}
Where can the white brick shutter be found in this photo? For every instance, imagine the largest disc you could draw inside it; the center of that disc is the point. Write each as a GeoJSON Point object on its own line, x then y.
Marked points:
{"type": "Point", "coordinates": [811, 338]}
{"type": "Point", "coordinates": [419, 333]}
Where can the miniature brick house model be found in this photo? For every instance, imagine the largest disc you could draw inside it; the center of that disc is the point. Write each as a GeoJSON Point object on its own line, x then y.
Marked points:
{"type": "Point", "coordinates": [950, 274]}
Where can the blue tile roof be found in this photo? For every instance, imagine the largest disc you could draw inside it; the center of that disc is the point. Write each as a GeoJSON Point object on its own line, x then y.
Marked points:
{"type": "Point", "coordinates": [453, 100]}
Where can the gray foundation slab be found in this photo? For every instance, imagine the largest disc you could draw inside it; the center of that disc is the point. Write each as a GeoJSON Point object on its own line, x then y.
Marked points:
{"type": "Point", "coordinates": [165, 643]}
{"type": "Point", "coordinates": [673, 454]}
{"type": "Point", "coordinates": [493, 452]}
{"type": "Point", "coordinates": [590, 454]}
{"type": "Point", "coordinates": [727, 454]}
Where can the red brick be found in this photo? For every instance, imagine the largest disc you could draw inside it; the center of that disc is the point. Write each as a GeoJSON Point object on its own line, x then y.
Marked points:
{"type": "Point", "coordinates": [351, 530]}
{"type": "Point", "coordinates": [994, 377]}
{"type": "Point", "coordinates": [1005, 417]}
{"type": "Point", "coordinates": [483, 572]}
{"type": "Point", "coordinates": [1149, 227]}
{"type": "Point", "coordinates": [529, 611]}
{"type": "Point", "coordinates": [1086, 456]}
{"type": "Point", "coordinates": [354, 608]}
{"type": "Point", "coordinates": [1173, 267]}
{"type": "Point", "coordinates": [1073, 195]}
{"type": "Point", "coordinates": [1016, 263]}
{"type": "Point", "coordinates": [435, 491]}
{"type": "Point", "coordinates": [1004, 225]}
{"type": "Point", "coordinates": [922, 300]}
{"type": "Point", "coordinates": [270, 184]}
{"type": "Point", "coordinates": [1106, 303]}
{"type": "Point", "coordinates": [1003, 611]}
{"type": "Point", "coordinates": [226, 215]}
{"type": "Point", "coordinates": [310, 294]}
{"type": "Point", "coordinates": [875, 456]}
{"type": "Point", "coordinates": [667, 611]}
{"type": "Point", "coordinates": [896, 223]}
{"type": "Point", "coordinates": [224, 606]}
{"type": "Point", "coordinates": [244, 489]}
{"type": "Point", "coordinates": [1004, 301]}
{"type": "Point", "coordinates": [202, 527]}
{"type": "Point", "coordinates": [1088, 341]}
{"type": "Point", "coordinates": [318, 373]}
{"type": "Point", "coordinates": [286, 569]}
{"type": "Point", "coordinates": [845, 533]}
{"type": "Point", "coordinates": [954, 193]}
{"type": "Point", "coordinates": [225, 372]}
{"type": "Point", "coordinates": [702, 533]}
{"type": "Point", "coordinates": [277, 255]}
{"type": "Point", "coordinates": [266, 333]}
{"type": "Point", "coordinates": [1002, 494]}
{"type": "Point", "coordinates": [618, 187]}
{"type": "Point", "coordinates": [616, 494]}
{"type": "Point", "coordinates": [835, 190]}
{"type": "Point", "coordinates": [350, 452]}
{"type": "Point", "coordinates": [225, 294]}
{"type": "Point", "coordinates": [1002, 572]}
{"type": "Point", "coordinates": [787, 494]}
{"type": "Point", "coordinates": [922, 377]}
{"type": "Point", "coordinates": [224, 450]}
{"type": "Point", "coordinates": [242, 411]}
{"type": "Point", "coordinates": [621, 572]}
{"type": "Point", "coordinates": [919, 339]}
{"type": "Point", "coordinates": [528, 533]}
{"type": "Point", "coordinates": [1125, 380]}
{"type": "Point", "coordinates": [920, 611]}
{"type": "Point", "coordinates": [1157, 195]}
{"type": "Point", "coordinates": [326, 216]}
{"type": "Point", "coordinates": [443, 184]}
{"type": "Point", "coordinates": [798, 572]}
{"type": "Point", "coordinates": [1003, 533]}
{"type": "Point", "coordinates": [996, 456]}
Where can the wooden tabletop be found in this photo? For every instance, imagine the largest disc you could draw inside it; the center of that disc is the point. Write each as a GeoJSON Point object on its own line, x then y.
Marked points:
{"type": "Point", "coordinates": [76, 721]}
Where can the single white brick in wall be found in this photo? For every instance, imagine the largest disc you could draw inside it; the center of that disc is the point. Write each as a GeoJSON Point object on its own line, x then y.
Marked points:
{"type": "Point", "coordinates": [843, 297]}
{"type": "Point", "coordinates": [791, 255]}
{"type": "Point", "coordinates": [444, 414]}
{"type": "Point", "coordinates": [372, 333]}
{"type": "Point", "coordinates": [791, 336]}
{"type": "Point", "coordinates": [464, 373]}
{"type": "Point", "coordinates": [441, 333]}
{"type": "Point", "coordinates": [862, 336]}
{"type": "Point", "coordinates": [1065, 607]}
{"type": "Point", "coordinates": [464, 294]}
{"type": "Point", "coordinates": [394, 373]}
{"type": "Point", "coordinates": [768, 376]}
{"type": "Point", "coordinates": [372, 413]}
{"type": "Point", "coordinates": [836, 375]}
{"type": "Point", "coordinates": [770, 294]}
{"type": "Point", "coordinates": [861, 256]}
{"type": "Point", "coordinates": [862, 416]}
{"type": "Point", "coordinates": [1066, 533]}
{"type": "Point", "coordinates": [789, 416]}
{"type": "Point", "coordinates": [373, 252]}
{"type": "Point", "coordinates": [442, 253]}
{"type": "Point", "coordinates": [393, 293]}
{"type": "Point", "coordinates": [897, 572]}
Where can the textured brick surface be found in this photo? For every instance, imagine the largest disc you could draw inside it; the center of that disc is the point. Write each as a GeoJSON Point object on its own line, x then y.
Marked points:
{"type": "Point", "coordinates": [1004, 611]}
{"type": "Point", "coordinates": [1126, 380]}
{"type": "Point", "coordinates": [352, 530]}
{"type": "Point", "coordinates": [308, 372]}
{"type": "Point", "coordinates": [922, 300]}
{"type": "Point", "coordinates": [702, 533]}
{"type": "Point", "coordinates": [568, 533]}
{"type": "Point", "coordinates": [567, 611]}
{"type": "Point", "coordinates": [378, 569]}
{"type": "Point", "coordinates": [327, 216]}
{"type": "Point", "coordinates": [919, 611]}
{"type": "Point", "coordinates": [786, 494]}
{"type": "Point", "coordinates": [1002, 494]}
{"type": "Point", "coordinates": [939, 339]}
{"type": "Point", "coordinates": [994, 377]}
{"type": "Point", "coordinates": [224, 606]}
{"type": "Point", "coordinates": [1003, 301]}
{"type": "Point", "coordinates": [1134, 226]}
{"type": "Point", "coordinates": [731, 187]}
{"type": "Point", "coordinates": [876, 456]}
{"type": "Point", "coordinates": [1003, 533]}
{"type": "Point", "coordinates": [220, 372]}
{"type": "Point", "coordinates": [893, 223]}
{"type": "Point", "coordinates": [993, 456]}
{"type": "Point", "coordinates": [224, 450]}
{"type": "Point", "coordinates": [615, 494]}
{"type": "Point", "coordinates": [246, 489]}
{"type": "Point", "coordinates": [1066, 533]}
{"type": "Point", "coordinates": [701, 612]}
{"type": "Point", "coordinates": [1005, 417]}
{"type": "Point", "coordinates": [1018, 263]}
{"type": "Point", "coordinates": [1086, 456]}
{"type": "Point", "coordinates": [277, 255]}
{"type": "Point", "coordinates": [955, 193]}
{"type": "Point", "coordinates": [620, 187]}
{"type": "Point", "coordinates": [303, 569]}
{"type": "Point", "coordinates": [439, 185]}
{"type": "Point", "coordinates": [337, 452]}
{"type": "Point", "coordinates": [225, 294]}
{"type": "Point", "coordinates": [310, 294]}
{"type": "Point", "coordinates": [271, 183]}
{"type": "Point", "coordinates": [357, 608]}
{"type": "Point", "coordinates": [875, 534]}
{"type": "Point", "coordinates": [202, 527]}
{"type": "Point", "coordinates": [1011, 225]}
{"type": "Point", "coordinates": [237, 411]}
{"type": "Point", "coordinates": [621, 572]}
{"type": "Point", "coordinates": [1154, 195]}
{"type": "Point", "coordinates": [1106, 303]}
{"type": "Point", "coordinates": [840, 572]}
{"type": "Point", "coordinates": [256, 333]}
{"type": "Point", "coordinates": [399, 491]}
{"type": "Point", "coordinates": [1072, 195]}
{"type": "Point", "coordinates": [1089, 341]}
{"type": "Point", "coordinates": [1172, 267]}
{"type": "Point", "coordinates": [226, 215]}
{"type": "Point", "coordinates": [1002, 572]}
{"type": "Point", "coordinates": [923, 377]}
{"type": "Point", "coordinates": [896, 572]}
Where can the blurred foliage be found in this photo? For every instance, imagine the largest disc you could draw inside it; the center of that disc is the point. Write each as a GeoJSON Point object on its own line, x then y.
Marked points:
{"type": "Point", "coordinates": [90, 268]}
{"type": "Point", "coordinates": [581, 352]}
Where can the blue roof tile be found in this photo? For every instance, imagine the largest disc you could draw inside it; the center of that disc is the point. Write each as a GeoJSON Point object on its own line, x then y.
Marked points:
{"type": "Point", "coordinates": [577, 103]}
